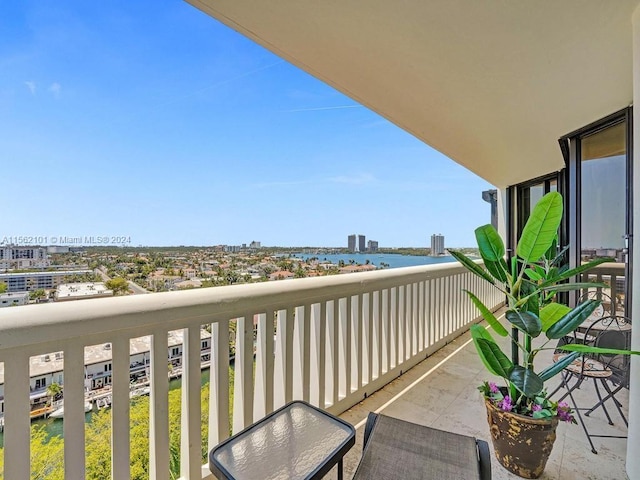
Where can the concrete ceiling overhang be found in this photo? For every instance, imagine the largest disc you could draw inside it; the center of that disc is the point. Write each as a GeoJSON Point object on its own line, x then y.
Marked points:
{"type": "Point", "coordinates": [492, 84]}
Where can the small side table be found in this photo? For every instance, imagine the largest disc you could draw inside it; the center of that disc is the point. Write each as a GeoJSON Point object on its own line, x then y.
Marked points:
{"type": "Point", "coordinates": [297, 441]}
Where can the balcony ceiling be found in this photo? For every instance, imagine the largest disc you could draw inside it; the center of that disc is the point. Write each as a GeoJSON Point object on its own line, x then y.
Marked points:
{"type": "Point", "coordinates": [492, 84]}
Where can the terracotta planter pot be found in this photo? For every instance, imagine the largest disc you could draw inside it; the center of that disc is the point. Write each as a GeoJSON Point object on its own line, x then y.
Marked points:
{"type": "Point", "coordinates": [522, 444]}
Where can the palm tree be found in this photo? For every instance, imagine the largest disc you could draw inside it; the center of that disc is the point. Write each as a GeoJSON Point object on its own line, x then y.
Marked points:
{"type": "Point", "coordinates": [53, 391]}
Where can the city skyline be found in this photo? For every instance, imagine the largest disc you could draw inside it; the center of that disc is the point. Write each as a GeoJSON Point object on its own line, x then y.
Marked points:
{"type": "Point", "coordinates": [122, 129]}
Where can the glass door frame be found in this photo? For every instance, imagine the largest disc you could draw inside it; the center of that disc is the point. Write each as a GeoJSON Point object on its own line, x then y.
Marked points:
{"type": "Point", "coordinates": [570, 145]}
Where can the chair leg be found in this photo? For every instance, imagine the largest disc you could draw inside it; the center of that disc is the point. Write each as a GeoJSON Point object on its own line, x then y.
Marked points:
{"type": "Point", "coordinates": [600, 403]}
{"type": "Point", "coordinates": [581, 420]}
{"type": "Point", "coordinates": [611, 394]}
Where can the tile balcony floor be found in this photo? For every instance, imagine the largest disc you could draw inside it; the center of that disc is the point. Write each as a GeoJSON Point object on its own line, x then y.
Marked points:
{"type": "Point", "coordinates": [441, 392]}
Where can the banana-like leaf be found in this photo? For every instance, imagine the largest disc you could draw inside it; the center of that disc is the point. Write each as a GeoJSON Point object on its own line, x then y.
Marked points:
{"type": "Point", "coordinates": [550, 254]}
{"type": "Point", "coordinates": [541, 228]}
{"type": "Point", "coordinates": [472, 266]}
{"type": "Point", "coordinates": [526, 381]}
{"type": "Point", "coordinates": [557, 367]}
{"type": "Point", "coordinates": [568, 287]}
{"type": "Point", "coordinates": [488, 315]}
{"type": "Point", "coordinates": [493, 358]}
{"type": "Point", "coordinates": [496, 269]}
{"type": "Point", "coordinates": [575, 271]}
{"type": "Point", "coordinates": [526, 322]}
{"type": "Point", "coordinates": [532, 274]}
{"type": "Point", "coordinates": [560, 256]}
{"type": "Point", "coordinates": [489, 243]}
{"type": "Point", "coordinates": [581, 348]}
{"type": "Point", "coordinates": [550, 314]}
{"type": "Point", "coordinates": [572, 319]}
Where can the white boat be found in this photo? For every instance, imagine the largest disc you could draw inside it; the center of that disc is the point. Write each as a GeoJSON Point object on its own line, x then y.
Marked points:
{"type": "Point", "coordinates": [59, 413]}
{"type": "Point", "coordinates": [138, 392]}
{"type": "Point", "coordinates": [103, 402]}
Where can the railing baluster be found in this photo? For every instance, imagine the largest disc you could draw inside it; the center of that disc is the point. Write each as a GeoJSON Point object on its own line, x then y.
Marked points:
{"type": "Point", "coordinates": [264, 366]}
{"type": "Point", "coordinates": [243, 385]}
{"type": "Point", "coordinates": [159, 408]}
{"type": "Point", "coordinates": [283, 389]}
{"type": "Point", "coordinates": [73, 424]}
{"type": "Point", "coordinates": [377, 339]}
{"type": "Point", "coordinates": [386, 330]}
{"type": "Point", "coordinates": [357, 343]}
{"type": "Point", "coordinates": [120, 409]}
{"type": "Point", "coordinates": [334, 350]}
{"type": "Point", "coordinates": [191, 435]}
{"type": "Point", "coordinates": [369, 328]}
{"type": "Point", "coordinates": [16, 416]}
{"type": "Point", "coordinates": [219, 383]}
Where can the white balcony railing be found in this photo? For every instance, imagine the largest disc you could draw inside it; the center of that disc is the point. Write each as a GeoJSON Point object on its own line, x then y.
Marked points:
{"type": "Point", "coordinates": [328, 340]}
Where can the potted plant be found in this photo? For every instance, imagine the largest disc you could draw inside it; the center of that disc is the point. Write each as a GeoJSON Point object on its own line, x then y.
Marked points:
{"type": "Point", "coordinates": [522, 418]}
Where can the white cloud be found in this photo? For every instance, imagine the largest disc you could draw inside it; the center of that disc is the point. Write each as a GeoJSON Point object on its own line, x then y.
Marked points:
{"type": "Point", "coordinates": [31, 85]}
{"type": "Point", "coordinates": [55, 88]}
{"type": "Point", "coordinates": [359, 179]}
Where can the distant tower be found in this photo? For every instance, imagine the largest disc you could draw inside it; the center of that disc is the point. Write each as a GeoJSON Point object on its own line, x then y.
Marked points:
{"type": "Point", "coordinates": [491, 197]}
{"type": "Point", "coordinates": [362, 244]}
{"type": "Point", "coordinates": [437, 244]}
{"type": "Point", "coordinates": [351, 242]}
{"type": "Point", "coordinates": [372, 246]}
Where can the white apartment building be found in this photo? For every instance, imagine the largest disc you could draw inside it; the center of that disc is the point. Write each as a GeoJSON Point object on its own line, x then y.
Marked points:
{"type": "Point", "coordinates": [28, 281]}
{"type": "Point", "coordinates": [47, 369]}
{"type": "Point", "coordinates": [12, 257]}
{"type": "Point", "coordinates": [13, 299]}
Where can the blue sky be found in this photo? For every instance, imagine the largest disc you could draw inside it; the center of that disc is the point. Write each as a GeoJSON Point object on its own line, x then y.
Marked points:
{"type": "Point", "coordinates": [159, 123]}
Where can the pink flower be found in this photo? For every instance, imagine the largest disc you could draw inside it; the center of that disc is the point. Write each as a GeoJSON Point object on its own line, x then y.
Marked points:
{"type": "Point", "coordinates": [493, 388]}
{"type": "Point", "coordinates": [505, 404]}
{"type": "Point", "coordinates": [536, 408]}
{"type": "Point", "coordinates": [564, 413]}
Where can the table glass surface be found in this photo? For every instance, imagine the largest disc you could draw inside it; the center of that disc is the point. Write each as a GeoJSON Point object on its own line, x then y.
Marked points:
{"type": "Point", "coordinates": [291, 444]}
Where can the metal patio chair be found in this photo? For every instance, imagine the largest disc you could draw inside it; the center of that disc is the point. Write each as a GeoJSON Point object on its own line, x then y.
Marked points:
{"type": "Point", "coordinates": [611, 372]}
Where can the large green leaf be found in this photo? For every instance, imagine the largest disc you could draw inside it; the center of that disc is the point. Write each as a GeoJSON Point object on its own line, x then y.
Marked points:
{"type": "Point", "coordinates": [497, 269]}
{"type": "Point", "coordinates": [493, 358]}
{"type": "Point", "coordinates": [526, 381]}
{"type": "Point", "coordinates": [541, 228]}
{"type": "Point", "coordinates": [568, 287]}
{"type": "Point", "coordinates": [557, 367]}
{"type": "Point", "coordinates": [526, 322]}
{"type": "Point", "coordinates": [550, 314]}
{"type": "Point", "coordinates": [472, 266]}
{"type": "Point", "coordinates": [581, 348]}
{"type": "Point", "coordinates": [572, 319]}
{"type": "Point", "coordinates": [489, 243]}
{"type": "Point", "coordinates": [488, 315]}
{"type": "Point", "coordinates": [575, 271]}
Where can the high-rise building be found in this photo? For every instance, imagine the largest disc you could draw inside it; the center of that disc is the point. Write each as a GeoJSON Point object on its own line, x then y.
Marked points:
{"type": "Point", "coordinates": [362, 243]}
{"type": "Point", "coordinates": [372, 246]}
{"type": "Point", "coordinates": [437, 244]}
{"type": "Point", "coordinates": [351, 243]}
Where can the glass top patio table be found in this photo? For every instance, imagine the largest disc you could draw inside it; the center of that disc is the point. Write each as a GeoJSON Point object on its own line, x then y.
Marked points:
{"type": "Point", "coordinates": [298, 441]}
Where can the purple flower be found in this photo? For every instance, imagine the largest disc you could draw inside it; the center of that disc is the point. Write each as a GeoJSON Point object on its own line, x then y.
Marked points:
{"type": "Point", "coordinates": [505, 404]}
{"type": "Point", "coordinates": [564, 413]}
{"type": "Point", "coordinates": [493, 388]}
{"type": "Point", "coordinates": [536, 408]}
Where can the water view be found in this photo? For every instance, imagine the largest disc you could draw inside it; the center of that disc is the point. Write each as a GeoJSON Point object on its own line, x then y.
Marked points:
{"type": "Point", "coordinates": [387, 260]}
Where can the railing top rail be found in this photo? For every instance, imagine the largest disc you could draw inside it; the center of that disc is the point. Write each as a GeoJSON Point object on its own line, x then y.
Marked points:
{"type": "Point", "coordinates": [51, 322]}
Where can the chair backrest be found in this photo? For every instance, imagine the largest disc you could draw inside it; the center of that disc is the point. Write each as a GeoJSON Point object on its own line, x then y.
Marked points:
{"type": "Point", "coordinates": [613, 332]}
